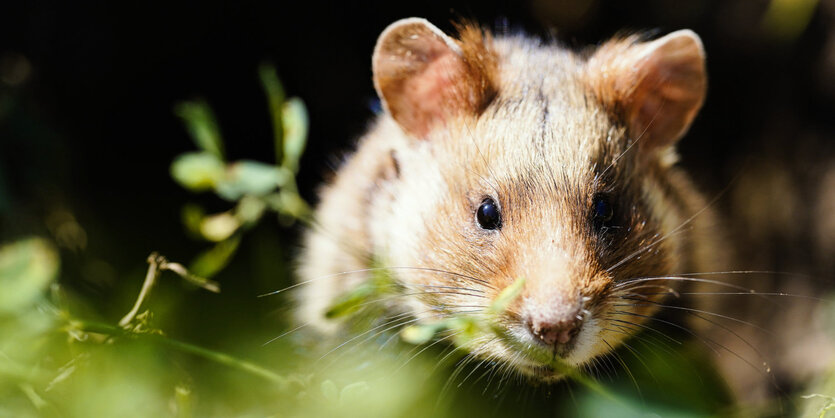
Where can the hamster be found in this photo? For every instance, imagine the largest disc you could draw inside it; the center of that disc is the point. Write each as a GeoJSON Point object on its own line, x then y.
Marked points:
{"type": "Point", "coordinates": [504, 157]}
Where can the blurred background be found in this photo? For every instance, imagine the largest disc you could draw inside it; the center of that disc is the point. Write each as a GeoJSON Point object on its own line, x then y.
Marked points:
{"type": "Point", "coordinates": [88, 131]}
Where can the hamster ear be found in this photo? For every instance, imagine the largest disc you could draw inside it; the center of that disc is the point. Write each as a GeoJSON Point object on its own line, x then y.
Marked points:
{"type": "Point", "coordinates": [425, 78]}
{"type": "Point", "coordinates": [656, 87]}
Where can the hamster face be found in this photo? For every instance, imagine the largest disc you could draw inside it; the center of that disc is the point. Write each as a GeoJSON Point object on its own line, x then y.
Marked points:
{"type": "Point", "coordinates": [504, 159]}
{"type": "Point", "coordinates": [542, 186]}
{"type": "Point", "coordinates": [515, 159]}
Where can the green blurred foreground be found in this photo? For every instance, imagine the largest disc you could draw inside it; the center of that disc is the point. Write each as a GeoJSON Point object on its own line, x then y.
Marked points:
{"type": "Point", "coordinates": [58, 357]}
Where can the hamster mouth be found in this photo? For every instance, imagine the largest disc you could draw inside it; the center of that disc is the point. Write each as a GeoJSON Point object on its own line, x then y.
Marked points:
{"type": "Point", "coordinates": [534, 360]}
{"type": "Point", "coordinates": [543, 373]}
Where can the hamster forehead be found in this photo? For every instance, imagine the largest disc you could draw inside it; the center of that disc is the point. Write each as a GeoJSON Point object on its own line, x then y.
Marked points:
{"type": "Point", "coordinates": [542, 127]}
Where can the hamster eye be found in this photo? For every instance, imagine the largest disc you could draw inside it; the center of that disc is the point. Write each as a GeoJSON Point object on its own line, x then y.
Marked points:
{"type": "Point", "coordinates": [602, 211]}
{"type": "Point", "coordinates": [488, 215]}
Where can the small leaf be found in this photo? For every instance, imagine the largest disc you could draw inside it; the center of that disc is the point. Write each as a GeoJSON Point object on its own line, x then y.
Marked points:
{"type": "Point", "coordinates": [213, 260]}
{"type": "Point", "coordinates": [330, 391]}
{"type": "Point", "coordinates": [507, 295]}
{"type": "Point", "coordinates": [27, 267]}
{"type": "Point", "coordinates": [192, 216]}
{"type": "Point", "coordinates": [296, 124]}
{"type": "Point", "coordinates": [290, 203]}
{"type": "Point", "coordinates": [352, 301]}
{"type": "Point", "coordinates": [249, 210]}
{"type": "Point", "coordinates": [275, 98]}
{"type": "Point", "coordinates": [422, 333]}
{"type": "Point", "coordinates": [202, 126]}
{"type": "Point", "coordinates": [353, 392]}
{"type": "Point", "coordinates": [250, 177]}
{"type": "Point", "coordinates": [197, 171]}
{"type": "Point", "coordinates": [466, 328]}
{"type": "Point", "coordinates": [219, 227]}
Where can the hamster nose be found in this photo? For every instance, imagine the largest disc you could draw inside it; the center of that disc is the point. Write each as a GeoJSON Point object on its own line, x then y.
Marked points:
{"type": "Point", "coordinates": [556, 332]}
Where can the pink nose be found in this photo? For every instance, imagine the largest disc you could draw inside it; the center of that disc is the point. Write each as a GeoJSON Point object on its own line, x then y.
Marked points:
{"type": "Point", "coordinates": [559, 332]}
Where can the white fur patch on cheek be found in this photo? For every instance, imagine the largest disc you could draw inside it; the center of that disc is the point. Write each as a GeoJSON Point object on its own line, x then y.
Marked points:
{"type": "Point", "coordinates": [413, 200]}
{"type": "Point", "coordinates": [587, 341]}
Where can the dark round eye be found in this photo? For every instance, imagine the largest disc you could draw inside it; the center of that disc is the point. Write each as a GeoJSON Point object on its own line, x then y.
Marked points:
{"type": "Point", "coordinates": [488, 215]}
{"type": "Point", "coordinates": [602, 210]}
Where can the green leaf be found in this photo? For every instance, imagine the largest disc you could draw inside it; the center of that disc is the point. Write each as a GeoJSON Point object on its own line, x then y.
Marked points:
{"type": "Point", "coordinates": [352, 301]}
{"type": "Point", "coordinates": [296, 124]}
{"type": "Point", "coordinates": [213, 260]}
{"type": "Point", "coordinates": [219, 227]}
{"type": "Point", "coordinates": [353, 392]}
{"type": "Point", "coordinates": [330, 391]}
{"type": "Point", "coordinates": [293, 205]}
{"type": "Point", "coordinates": [507, 295]}
{"type": "Point", "coordinates": [421, 333]}
{"type": "Point", "coordinates": [250, 177]}
{"type": "Point", "coordinates": [192, 217]}
{"type": "Point", "coordinates": [198, 171]}
{"type": "Point", "coordinates": [202, 126]}
{"type": "Point", "coordinates": [27, 268]}
{"type": "Point", "coordinates": [249, 210]}
{"type": "Point", "coordinates": [275, 97]}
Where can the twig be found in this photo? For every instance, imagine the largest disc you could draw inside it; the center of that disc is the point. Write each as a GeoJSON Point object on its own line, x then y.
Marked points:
{"type": "Point", "coordinates": [156, 264]}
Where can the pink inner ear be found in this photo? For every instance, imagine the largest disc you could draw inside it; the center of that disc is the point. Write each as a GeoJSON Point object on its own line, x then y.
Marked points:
{"type": "Point", "coordinates": [431, 96]}
{"type": "Point", "coordinates": [425, 78]}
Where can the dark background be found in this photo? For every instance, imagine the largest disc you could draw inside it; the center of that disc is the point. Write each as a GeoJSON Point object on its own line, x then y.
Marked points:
{"type": "Point", "coordinates": [87, 126]}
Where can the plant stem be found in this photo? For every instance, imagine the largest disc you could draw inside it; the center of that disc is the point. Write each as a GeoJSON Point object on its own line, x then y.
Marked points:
{"type": "Point", "coordinates": [212, 355]}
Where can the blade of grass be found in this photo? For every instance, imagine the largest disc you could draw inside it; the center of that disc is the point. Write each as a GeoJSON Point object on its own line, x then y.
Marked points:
{"type": "Point", "coordinates": [275, 98]}
{"type": "Point", "coordinates": [215, 356]}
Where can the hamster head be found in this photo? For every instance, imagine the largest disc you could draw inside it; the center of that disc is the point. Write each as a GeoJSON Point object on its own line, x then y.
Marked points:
{"type": "Point", "coordinates": [514, 159]}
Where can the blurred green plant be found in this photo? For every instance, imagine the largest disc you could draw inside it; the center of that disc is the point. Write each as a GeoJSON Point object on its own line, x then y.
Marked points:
{"type": "Point", "coordinates": [786, 20]}
{"type": "Point", "coordinates": [56, 361]}
{"type": "Point", "coordinates": [53, 363]}
{"type": "Point", "coordinates": [253, 186]}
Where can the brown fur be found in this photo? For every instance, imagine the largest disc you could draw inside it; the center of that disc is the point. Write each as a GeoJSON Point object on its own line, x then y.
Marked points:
{"type": "Point", "coordinates": [480, 61]}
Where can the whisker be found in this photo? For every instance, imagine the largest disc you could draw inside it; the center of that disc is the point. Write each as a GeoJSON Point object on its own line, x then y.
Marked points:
{"type": "Point", "coordinates": [617, 357]}
{"type": "Point", "coordinates": [705, 340]}
{"type": "Point", "coordinates": [683, 279]}
{"type": "Point", "coordinates": [397, 318]}
{"type": "Point", "coordinates": [490, 373]}
{"type": "Point", "coordinates": [400, 295]}
{"type": "Point", "coordinates": [692, 310]}
{"type": "Point", "coordinates": [637, 357]}
{"type": "Point", "coordinates": [670, 290]}
{"type": "Point", "coordinates": [428, 346]}
{"type": "Point", "coordinates": [697, 312]}
{"type": "Point", "coordinates": [374, 335]}
{"type": "Point", "coordinates": [646, 327]}
{"type": "Point", "coordinates": [672, 324]}
{"type": "Point", "coordinates": [675, 230]}
{"type": "Point", "coordinates": [285, 333]}
{"type": "Point", "coordinates": [753, 272]}
{"type": "Point", "coordinates": [461, 383]}
{"type": "Point", "coordinates": [453, 351]}
{"type": "Point", "coordinates": [816, 299]}
{"type": "Point", "coordinates": [374, 269]}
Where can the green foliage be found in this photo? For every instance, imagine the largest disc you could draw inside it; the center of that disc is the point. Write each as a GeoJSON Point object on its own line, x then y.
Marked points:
{"type": "Point", "coordinates": [255, 186]}
{"type": "Point", "coordinates": [210, 262]}
{"type": "Point", "coordinates": [787, 19]}
{"type": "Point", "coordinates": [202, 126]}
{"type": "Point", "coordinates": [26, 270]}
{"type": "Point", "coordinates": [59, 358]}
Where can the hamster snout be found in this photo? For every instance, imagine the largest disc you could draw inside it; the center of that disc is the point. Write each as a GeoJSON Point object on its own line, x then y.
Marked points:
{"type": "Point", "coordinates": [554, 331]}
